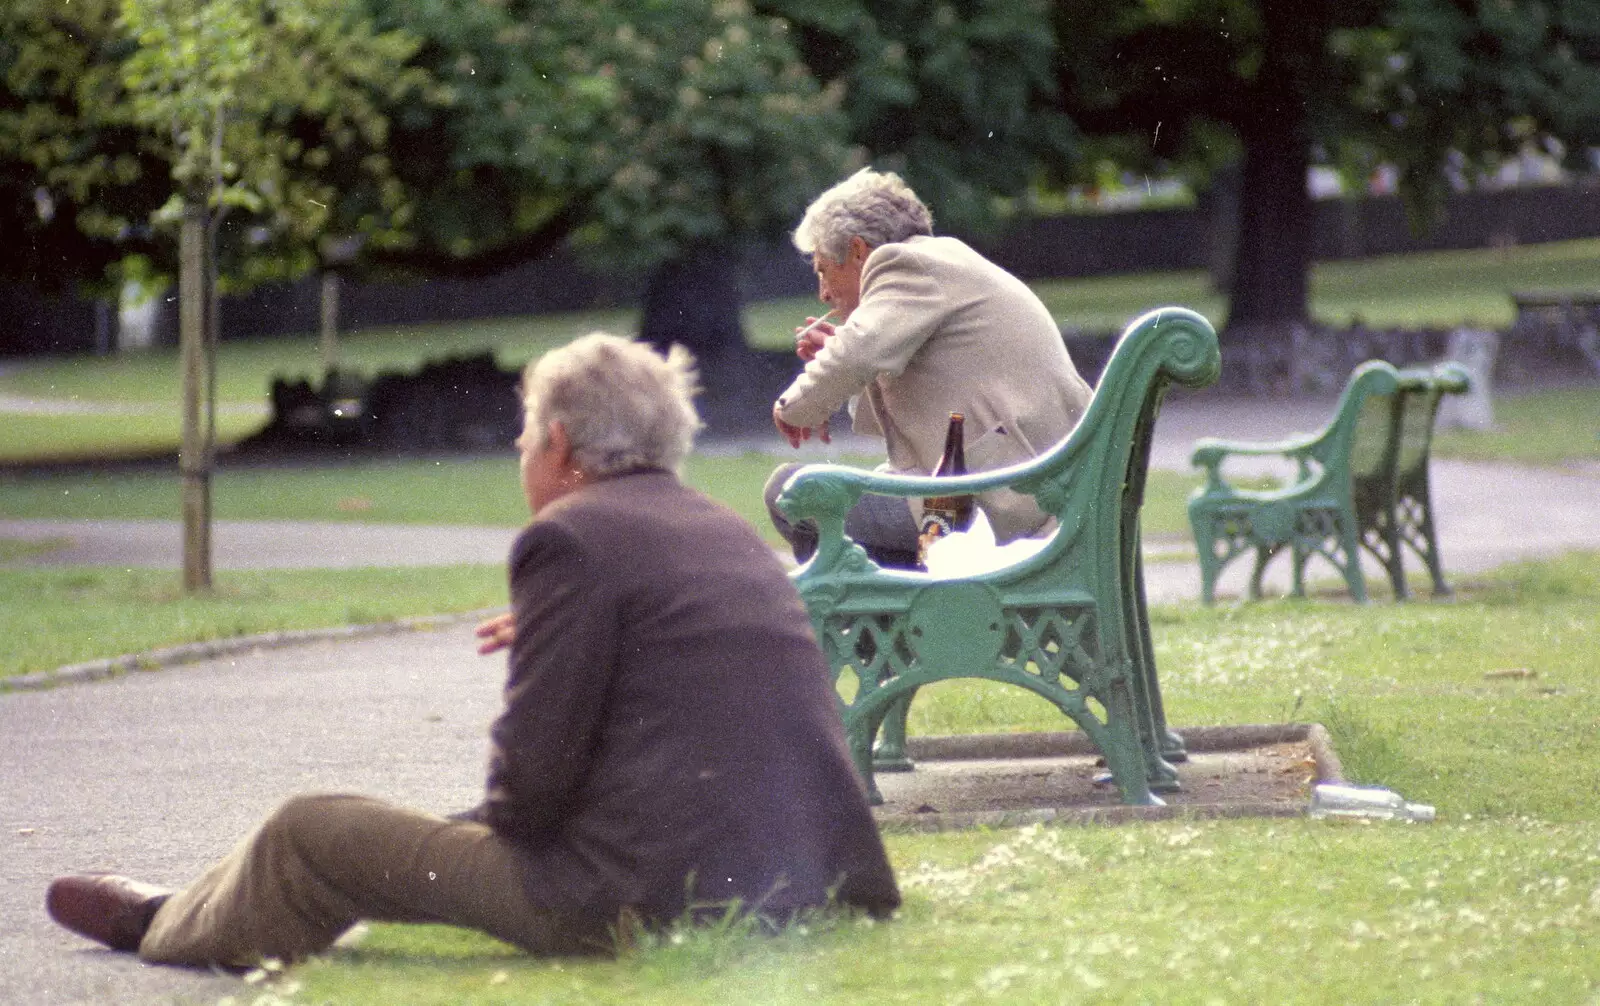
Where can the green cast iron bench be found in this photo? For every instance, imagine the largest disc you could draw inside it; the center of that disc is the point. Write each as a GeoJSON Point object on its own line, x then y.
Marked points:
{"type": "Point", "coordinates": [1067, 623]}
{"type": "Point", "coordinates": [1361, 482]}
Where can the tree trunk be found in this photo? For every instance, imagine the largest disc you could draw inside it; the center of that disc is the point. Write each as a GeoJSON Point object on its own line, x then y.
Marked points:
{"type": "Point", "coordinates": [1221, 206]}
{"type": "Point", "coordinates": [194, 458]}
{"type": "Point", "coordinates": [1272, 266]}
{"type": "Point", "coordinates": [329, 339]}
{"type": "Point", "coordinates": [1269, 298]}
{"type": "Point", "coordinates": [693, 301]}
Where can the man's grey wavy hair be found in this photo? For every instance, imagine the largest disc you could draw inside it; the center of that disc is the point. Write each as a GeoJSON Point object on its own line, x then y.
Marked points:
{"type": "Point", "coordinates": [876, 206]}
{"type": "Point", "coordinates": [624, 406]}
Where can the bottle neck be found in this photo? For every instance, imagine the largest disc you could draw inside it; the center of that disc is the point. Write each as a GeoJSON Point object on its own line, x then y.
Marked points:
{"type": "Point", "coordinates": [954, 459]}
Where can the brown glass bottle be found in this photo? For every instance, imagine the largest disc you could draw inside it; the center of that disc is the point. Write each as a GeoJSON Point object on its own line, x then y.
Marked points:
{"type": "Point", "coordinates": [942, 515]}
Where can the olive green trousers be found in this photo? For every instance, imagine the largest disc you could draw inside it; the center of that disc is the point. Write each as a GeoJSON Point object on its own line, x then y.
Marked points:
{"type": "Point", "coordinates": [319, 864]}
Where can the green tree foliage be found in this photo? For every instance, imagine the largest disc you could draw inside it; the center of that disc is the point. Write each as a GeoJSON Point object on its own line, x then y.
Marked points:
{"type": "Point", "coordinates": [639, 128]}
{"type": "Point", "coordinates": [488, 158]}
{"type": "Point", "coordinates": [1411, 82]}
{"type": "Point", "coordinates": [251, 101]}
{"type": "Point", "coordinates": [719, 130]}
{"type": "Point", "coordinates": [85, 163]}
{"type": "Point", "coordinates": [654, 136]}
{"type": "Point", "coordinates": [959, 97]}
{"type": "Point", "coordinates": [78, 180]}
{"type": "Point", "coordinates": [1471, 84]}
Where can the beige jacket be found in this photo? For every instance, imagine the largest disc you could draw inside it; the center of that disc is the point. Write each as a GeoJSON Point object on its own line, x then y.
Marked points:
{"type": "Point", "coordinates": [941, 329]}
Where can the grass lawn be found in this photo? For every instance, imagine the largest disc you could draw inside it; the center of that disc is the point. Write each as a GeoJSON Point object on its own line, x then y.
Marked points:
{"type": "Point", "coordinates": [1425, 289]}
{"type": "Point", "coordinates": [51, 617]}
{"type": "Point", "coordinates": [466, 491]}
{"type": "Point", "coordinates": [30, 437]}
{"type": "Point", "coordinates": [245, 368]}
{"type": "Point", "coordinates": [1539, 427]}
{"type": "Point", "coordinates": [1184, 913]}
{"type": "Point", "coordinates": [1497, 901]}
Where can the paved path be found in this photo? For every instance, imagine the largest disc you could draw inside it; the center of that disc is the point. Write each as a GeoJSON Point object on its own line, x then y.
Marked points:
{"type": "Point", "coordinates": [157, 774]}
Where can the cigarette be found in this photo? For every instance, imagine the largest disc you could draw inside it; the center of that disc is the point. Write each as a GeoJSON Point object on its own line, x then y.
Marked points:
{"type": "Point", "coordinates": [807, 330]}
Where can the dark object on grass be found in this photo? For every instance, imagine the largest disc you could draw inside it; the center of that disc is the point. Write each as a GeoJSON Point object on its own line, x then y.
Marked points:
{"type": "Point", "coordinates": [460, 403]}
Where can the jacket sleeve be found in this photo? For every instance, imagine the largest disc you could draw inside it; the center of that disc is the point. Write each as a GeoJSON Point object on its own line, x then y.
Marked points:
{"type": "Point", "coordinates": [901, 306]}
{"type": "Point", "coordinates": [561, 661]}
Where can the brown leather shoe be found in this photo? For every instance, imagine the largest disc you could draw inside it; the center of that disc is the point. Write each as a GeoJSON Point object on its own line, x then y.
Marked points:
{"type": "Point", "coordinates": [104, 907]}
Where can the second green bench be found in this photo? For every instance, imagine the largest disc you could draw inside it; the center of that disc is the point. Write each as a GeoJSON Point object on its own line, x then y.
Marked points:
{"type": "Point", "coordinates": [1360, 483]}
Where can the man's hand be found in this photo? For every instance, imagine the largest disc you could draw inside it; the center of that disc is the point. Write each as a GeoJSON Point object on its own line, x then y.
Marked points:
{"type": "Point", "coordinates": [810, 337]}
{"type": "Point", "coordinates": [796, 435]}
{"type": "Point", "coordinates": [496, 633]}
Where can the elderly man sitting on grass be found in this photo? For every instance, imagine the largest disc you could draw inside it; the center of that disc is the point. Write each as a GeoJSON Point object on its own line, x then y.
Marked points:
{"type": "Point", "coordinates": [669, 747]}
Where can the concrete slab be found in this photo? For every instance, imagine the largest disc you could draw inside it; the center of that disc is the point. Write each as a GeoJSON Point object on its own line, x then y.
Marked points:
{"type": "Point", "coordinates": [1008, 779]}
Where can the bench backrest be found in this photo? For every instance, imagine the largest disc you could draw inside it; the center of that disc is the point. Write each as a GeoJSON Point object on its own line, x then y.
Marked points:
{"type": "Point", "coordinates": [1421, 390]}
{"type": "Point", "coordinates": [1395, 429]}
{"type": "Point", "coordinates": [1359, 437]}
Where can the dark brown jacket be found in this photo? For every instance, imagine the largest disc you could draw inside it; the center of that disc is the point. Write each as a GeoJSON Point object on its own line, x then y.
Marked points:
{"type": "Point", "coordinates": [670, 736]}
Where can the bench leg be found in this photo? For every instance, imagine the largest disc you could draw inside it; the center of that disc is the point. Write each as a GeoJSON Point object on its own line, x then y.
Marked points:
{"type": "Point", "coordinates": [1396, 559]}
{"type": "Point", "coordinates": [1264, 554]}
{"type": "Point", "coordinates": [859, 731]}
{"type": "Point", "coordinates": [1218, 540]}
{"type": "Point", "coordinates": [1435, 567]}
{"type": "Point", "coordinates": [1147, 691]}
{"type": "Point", "coordinates": [1160, 775]}
{"type": "Point", "coordinates": [1205, 541]}
{"type": "Point", "coordinates": [1164, 744]}
{"type": "Point", "coordinates": [1126, 756]}
{"type": "Point", "coordinates": [1397, 571]}
{"type": "Point", "coordinates": [1208, 582]}
{"type": "Point", "coordinates": [1418, 532]}
{"type": "Point", "coordinates": [1350, 543]}
{"type": "Point", "coordinates": [1382, 539]}
{"type": "Point", "coordinates": [1298, 557]}
{"type": "Point", "coordinates": [890, 754]}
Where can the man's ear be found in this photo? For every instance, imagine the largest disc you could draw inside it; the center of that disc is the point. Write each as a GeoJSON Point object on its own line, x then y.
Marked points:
{"type": "Point", "coordinates": [858, 250]}
{"type": "Point", "coordinates": [556, 439]}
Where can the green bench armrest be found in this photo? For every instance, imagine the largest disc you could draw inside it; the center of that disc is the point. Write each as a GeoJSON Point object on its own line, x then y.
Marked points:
{"type": "Point", "coordinates": [1210, 452]}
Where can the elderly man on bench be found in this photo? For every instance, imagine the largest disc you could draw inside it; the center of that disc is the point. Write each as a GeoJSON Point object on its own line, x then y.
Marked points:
{"type": "Point", "coordinates": [922, 326]}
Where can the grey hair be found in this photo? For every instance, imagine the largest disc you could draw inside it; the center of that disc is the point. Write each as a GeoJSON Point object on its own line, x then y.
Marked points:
{"type": "Point", "coordinates": [624, 406]}
{"type": "Point", "coordinates": [876, 206]}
